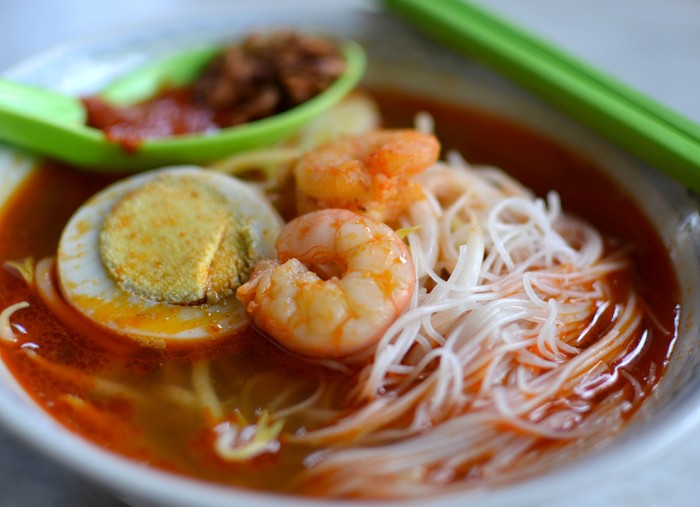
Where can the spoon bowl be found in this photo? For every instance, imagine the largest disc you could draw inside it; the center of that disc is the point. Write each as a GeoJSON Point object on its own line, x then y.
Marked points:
{"type": "Point", "coordinates": [53, 125]}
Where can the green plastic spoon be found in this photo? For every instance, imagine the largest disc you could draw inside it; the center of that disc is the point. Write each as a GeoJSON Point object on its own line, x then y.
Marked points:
{"type": "Point", "coordinates": [53, 125]}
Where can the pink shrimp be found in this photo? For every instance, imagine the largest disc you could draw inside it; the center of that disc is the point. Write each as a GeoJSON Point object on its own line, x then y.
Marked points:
{"type": "Point", "coordinates": [330, 315]}
{"type": "Point", "coordinates": [371, 174]}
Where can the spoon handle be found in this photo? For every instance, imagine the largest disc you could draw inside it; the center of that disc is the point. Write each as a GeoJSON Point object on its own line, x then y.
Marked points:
{"type": "Point", "coordinates": [18, 98]}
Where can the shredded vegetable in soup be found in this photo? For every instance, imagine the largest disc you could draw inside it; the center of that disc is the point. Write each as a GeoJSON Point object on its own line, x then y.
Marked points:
{"type": "Point", "coordinates": [406, 297]}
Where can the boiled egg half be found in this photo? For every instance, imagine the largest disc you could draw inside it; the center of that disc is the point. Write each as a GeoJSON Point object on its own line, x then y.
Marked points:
{"type": "Point", "coordinates": [158, 257]}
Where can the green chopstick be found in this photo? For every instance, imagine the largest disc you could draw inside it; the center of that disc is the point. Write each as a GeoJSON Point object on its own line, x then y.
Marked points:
{"type": "Point", "coordinates": [663, 139]}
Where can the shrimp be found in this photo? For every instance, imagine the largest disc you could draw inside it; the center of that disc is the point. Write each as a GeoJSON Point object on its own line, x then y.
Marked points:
{"type": "Point", "coordinates": [370, 174]}
{"type": "Point", "coordinates": [339, 280]}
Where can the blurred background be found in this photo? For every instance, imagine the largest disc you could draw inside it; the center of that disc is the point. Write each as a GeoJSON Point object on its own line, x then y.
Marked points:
{"type": "Point", "coordinates": [653, 45]}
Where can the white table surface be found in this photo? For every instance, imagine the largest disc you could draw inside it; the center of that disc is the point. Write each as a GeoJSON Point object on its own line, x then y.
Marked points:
{"type": "Point", "coordinates": [653, 45]}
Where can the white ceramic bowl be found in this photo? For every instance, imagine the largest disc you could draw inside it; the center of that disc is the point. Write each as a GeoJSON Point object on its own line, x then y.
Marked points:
{"type": "Point", "coordinates": [670, 414]}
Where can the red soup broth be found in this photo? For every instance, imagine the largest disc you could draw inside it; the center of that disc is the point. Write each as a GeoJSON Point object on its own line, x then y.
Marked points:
{"type": "Point", "coordinates": [111, 391]}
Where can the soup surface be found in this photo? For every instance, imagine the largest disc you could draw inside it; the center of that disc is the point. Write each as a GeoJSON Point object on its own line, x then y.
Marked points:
{"type": "Point", "coordinates": [151, 405]}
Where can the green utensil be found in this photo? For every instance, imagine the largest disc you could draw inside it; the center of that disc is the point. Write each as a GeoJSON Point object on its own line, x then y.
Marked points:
{"type": "Point", "coordinates": [52, 124]}
{"type": "Point", "coordinates": [665, 140]}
